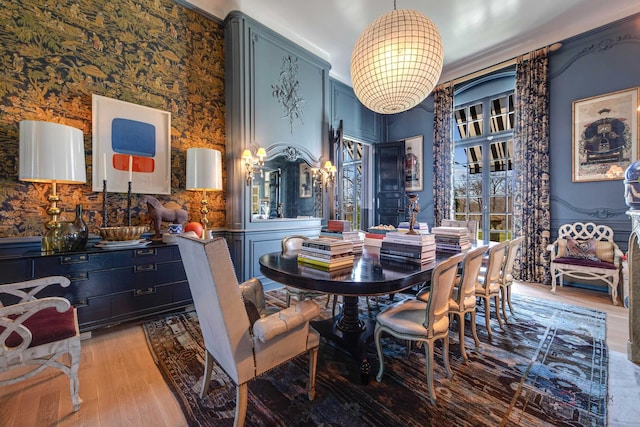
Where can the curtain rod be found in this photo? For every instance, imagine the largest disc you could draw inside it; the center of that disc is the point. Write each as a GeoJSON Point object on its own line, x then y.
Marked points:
{"type": "Point", "coordinates": [501, 65]}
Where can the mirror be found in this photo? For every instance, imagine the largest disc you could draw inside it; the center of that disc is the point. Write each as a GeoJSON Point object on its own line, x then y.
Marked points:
{"type": "Point", "coordinates": [285, 189]}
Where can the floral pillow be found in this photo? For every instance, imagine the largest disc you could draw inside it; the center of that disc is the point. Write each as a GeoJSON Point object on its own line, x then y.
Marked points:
{"type": "Point", "coordinates": [582, 249]}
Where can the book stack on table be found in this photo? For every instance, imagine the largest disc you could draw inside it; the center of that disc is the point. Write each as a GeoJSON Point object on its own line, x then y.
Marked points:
{"type": "Point", "coordinates": [326, 254]}
{"type": "Point", "coordinates": [374, 235]}
{"type": "Point", "coordinates": [414, 248]}
{"type": "Point", "coordinates": [452, 239]}
{"type": "Point", "coordinates": [355, 237]}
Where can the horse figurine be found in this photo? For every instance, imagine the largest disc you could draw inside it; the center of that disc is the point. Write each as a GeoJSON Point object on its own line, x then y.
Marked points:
{"type": "Point", "coordinates": [159, 213]}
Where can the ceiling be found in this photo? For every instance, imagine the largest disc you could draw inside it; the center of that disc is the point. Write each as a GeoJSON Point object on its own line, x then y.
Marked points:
{"type": "Point", "coordinates": [475, 34]}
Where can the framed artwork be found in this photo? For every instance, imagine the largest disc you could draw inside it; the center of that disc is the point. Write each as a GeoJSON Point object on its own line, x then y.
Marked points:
{"type": "Point", "coordinates": [130, 143]}
{"type": "Point", "coordinates": [413, 164]}
{"type": "Point", "coordinates": [305, 181]}
{"type": "Point", "coordinates": [604, 136]}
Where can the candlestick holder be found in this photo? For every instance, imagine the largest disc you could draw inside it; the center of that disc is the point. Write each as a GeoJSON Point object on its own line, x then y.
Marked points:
{"type": "Point", "coordinates": [129, 205]}
{"type": "Point", "coordinates": [104, 203]}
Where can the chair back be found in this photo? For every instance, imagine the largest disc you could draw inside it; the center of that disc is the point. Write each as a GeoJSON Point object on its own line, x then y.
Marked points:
{"type": "Point", "coordinates": [512, 250]}
{"type": "Point", "coordinates": [469, 277]}
{"type": "Point", "coordinates": [216, 295]}
{"type": "Point", "coordinates": [494, 266]}
{"type": "Point", "coordinates": [442, 280]}
{"type": "Point", "coordinates": [471, 225]}
{"type": "Point", "coordinates": [292, 243]}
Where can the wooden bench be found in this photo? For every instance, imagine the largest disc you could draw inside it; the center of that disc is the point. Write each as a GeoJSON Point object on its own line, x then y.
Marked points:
{"type": "Point", "coordinates": [586, 251]}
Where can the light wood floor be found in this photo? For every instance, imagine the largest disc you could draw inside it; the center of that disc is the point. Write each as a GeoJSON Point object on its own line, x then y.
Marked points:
{"type": "Point", "coordinates": [121, 386]}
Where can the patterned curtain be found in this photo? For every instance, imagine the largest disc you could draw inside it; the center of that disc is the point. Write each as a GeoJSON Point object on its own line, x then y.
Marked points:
{"type": "Point", "coordinates": [531, 214]}
{"type": "Point", "coordinates": [442, 153]}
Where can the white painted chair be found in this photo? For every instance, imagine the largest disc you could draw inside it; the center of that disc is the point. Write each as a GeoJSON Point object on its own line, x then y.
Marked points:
{"type": "Point", "coordinates": [605, 265]}
{"type": "Point", "coordinates": [37, 333]}
{"type": "Point", "coordinates": [489, 281]}
{"type": "Point", "coordinates": [245, 346]}
{"type": "Point", "coordinates": [506, 276]}
{"type": "Point", "coordinates": [423, 322]}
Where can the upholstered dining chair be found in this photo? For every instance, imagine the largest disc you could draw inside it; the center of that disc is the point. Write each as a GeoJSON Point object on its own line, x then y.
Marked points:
{"type": "Point", "coordinates": [506, 276]}
{"type": "Point", "coordinates": [35, 333]}
{"type": "Point", "coordinates": [424, 322]}
{"type": "Point", "coordinates": [241, 342]}
{"type": "Point", "coordinates": [489, 281]}
{"type": "Point", "coordinates": [463, 297]}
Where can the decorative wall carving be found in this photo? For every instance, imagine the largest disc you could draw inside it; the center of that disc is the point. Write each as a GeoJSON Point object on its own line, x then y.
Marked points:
{"type": "Point", "coordinates": [286, 92]}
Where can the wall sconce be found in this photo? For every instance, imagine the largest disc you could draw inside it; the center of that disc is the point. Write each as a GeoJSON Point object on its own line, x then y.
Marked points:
{"type": "Point", "coordinates": [52, 153]}
{"type": "Point", "coordinates": [204, 173]}
{"type": "Point", "coordinates": [250, 163]}
{"type": "Point", "coordinates": [325, 174]}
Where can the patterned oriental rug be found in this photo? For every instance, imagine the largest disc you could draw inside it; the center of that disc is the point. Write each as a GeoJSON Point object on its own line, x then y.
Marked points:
{"type": "Point", "coordinates": [549, 367]}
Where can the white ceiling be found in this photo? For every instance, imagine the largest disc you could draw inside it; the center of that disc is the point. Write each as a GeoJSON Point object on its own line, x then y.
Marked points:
{"type": "Point", "coordinates": [475, 33]}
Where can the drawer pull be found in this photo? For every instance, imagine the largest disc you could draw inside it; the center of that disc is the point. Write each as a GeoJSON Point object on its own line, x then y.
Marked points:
{"type": "Point", "coordinates": [148, 291]}
{"type": "Point", "coordinates": [78, 276]}
{"type": "Point", "coordinates": [145, 252]}
{"type": "Point", "coordinates": [81, 303]}
{"type": "Point", "coordinates": [145, 267]}
{"type": "Point", "coordinates": [74, 259]}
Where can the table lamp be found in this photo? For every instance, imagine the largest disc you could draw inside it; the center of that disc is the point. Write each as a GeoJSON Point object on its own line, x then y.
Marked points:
{"type": "Point", "coordinates": [52, 153]}
{"type": "Point", "coordinates": [204, 173]}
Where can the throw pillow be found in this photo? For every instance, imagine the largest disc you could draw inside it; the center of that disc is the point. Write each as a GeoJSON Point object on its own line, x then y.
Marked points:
{"type": "Point", "coordinates": [582, 249]}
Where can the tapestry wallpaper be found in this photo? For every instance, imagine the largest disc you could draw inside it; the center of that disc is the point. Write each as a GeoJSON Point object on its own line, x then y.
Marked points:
{"type": "Point", "coordinates": [56, 53]}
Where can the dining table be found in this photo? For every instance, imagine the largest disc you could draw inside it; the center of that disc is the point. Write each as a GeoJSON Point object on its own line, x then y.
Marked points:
{"type": "Point", "coordinates": [369, 276]}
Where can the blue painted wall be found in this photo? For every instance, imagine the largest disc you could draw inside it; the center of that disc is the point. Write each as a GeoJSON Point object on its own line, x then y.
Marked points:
{"type": "Point", "coordinates": [595, 63]}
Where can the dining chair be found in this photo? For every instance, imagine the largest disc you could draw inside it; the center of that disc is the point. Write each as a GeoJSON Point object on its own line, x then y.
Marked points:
{"type": "Point", "coordinates": [244, 348]}
{"type": "Point", "coordinates": [36, 333]}
{"type": "Point", "coordinates": [420, 321]}
{"type": "Point", "coordinates": [463, 297]}
{"type": "Point", "coordinates": [506, 276]}
{"type": "Point", "coordinates": [489, 281]}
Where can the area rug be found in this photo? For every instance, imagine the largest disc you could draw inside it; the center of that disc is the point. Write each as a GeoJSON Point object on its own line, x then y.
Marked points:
{"type": "Point", "coordinates": [548, 367]}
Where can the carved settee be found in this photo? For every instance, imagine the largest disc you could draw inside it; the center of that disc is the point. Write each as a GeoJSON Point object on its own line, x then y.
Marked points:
{"type": "Point", "coordinates": [586, 251]}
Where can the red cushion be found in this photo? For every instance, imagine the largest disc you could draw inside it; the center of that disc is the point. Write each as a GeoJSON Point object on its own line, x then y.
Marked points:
{"type": "Point", "coordinates": [585, 263]}
{"type": "Point", "coordinates": [47, 325]}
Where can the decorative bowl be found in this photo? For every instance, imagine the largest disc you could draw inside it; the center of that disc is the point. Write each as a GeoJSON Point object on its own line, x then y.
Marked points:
{"type": "Point", "coordinates": [132, 232]}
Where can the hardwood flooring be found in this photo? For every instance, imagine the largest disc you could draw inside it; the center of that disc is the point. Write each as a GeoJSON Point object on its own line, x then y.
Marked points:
{"type": "Point", "coordinates": [120, 384]}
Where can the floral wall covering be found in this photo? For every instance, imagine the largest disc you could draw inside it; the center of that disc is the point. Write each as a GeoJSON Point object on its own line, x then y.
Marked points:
{"type": "Point", "coordinates": [56, 53]}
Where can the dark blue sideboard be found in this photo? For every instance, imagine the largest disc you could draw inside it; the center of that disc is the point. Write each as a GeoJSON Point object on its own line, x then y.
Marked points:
{"type": "Point", "coordinates": [107, 286]}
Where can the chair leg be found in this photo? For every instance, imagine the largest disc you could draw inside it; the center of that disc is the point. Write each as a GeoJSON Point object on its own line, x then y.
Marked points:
{"type": "Point", "coordinates": [473, 328]}
{"type": "Point", "coordinates": [509, 299]}
{"type": "Point", "coordinates": [208, 368]}
{"type": "Point", "coordinates": [503, 303]}
{"type": "Point", "coordinates": [487, 316]}
{"type": "Point", "coordinates": [463, 351]}
{"type": "Point", "coordinates": [313, 363]}
{"type": "Point", "coordinates": [288, 299]}
{"type": "Point", "coordinates": [496, 303]}
{"type": "Point", "coordinates": [74, 382]}
{"type": "Point", "coordinates": [445, 355]}
{"type": "Point", "coordinates": [428, 352]}
{"type": "Point", "coordinates": [333, 309]}
{"type": "Point", "coordinates": [241, 405]}
{"type": "Point", "coordinates": [376, 338]}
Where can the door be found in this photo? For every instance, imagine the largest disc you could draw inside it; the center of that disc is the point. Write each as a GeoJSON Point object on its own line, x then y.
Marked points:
{"type": "Point", "coordinates": [390, 182]}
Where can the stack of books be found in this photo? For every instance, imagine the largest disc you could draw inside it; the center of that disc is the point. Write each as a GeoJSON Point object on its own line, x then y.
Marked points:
{"type": "Point", "coordinates": [338, 225]}
{"type": "Point", "coordinates": [355, 237]}
{"type": "Point", "coordinates": [452, 239]}
{"type": "Point", "coordinates": [414, 248]}
{"type": "Point", "coordinates": [419, 227]}
{"type": "Point", "coordinates": [374, 235]}
{"type": "Point", "coordinates": [326, 254]}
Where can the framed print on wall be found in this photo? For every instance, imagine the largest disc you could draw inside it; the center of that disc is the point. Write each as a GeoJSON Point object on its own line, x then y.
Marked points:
{"type": "Point", "coordinates": [413, 164]}
{"type": "Point", "coordinates": [130, 143]}
{"type": "Point", "coordinates": [604, 136]}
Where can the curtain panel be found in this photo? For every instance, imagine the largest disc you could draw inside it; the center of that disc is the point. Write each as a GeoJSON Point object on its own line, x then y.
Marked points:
{"type": "Point", "coordinates": [531, 214]}
{"type": "Point", "coordinates": [442, 153]}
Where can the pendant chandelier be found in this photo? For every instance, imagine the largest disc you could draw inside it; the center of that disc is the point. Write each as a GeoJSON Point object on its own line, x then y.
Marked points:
{"type": "Point", "coordinates": [396, 61]}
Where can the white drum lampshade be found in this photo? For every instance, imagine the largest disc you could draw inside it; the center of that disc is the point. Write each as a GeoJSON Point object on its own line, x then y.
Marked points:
{"type": "Point", "coordinates": [51, 152]}
{"type": "Point", "coordinates": [204, 169]}
{"type": "Point", "coordinates": [396, 61]}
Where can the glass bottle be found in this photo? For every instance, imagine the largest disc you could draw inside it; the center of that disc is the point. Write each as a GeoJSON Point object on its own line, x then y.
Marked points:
{"type": "Point", "coordinates": [81, 229]}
